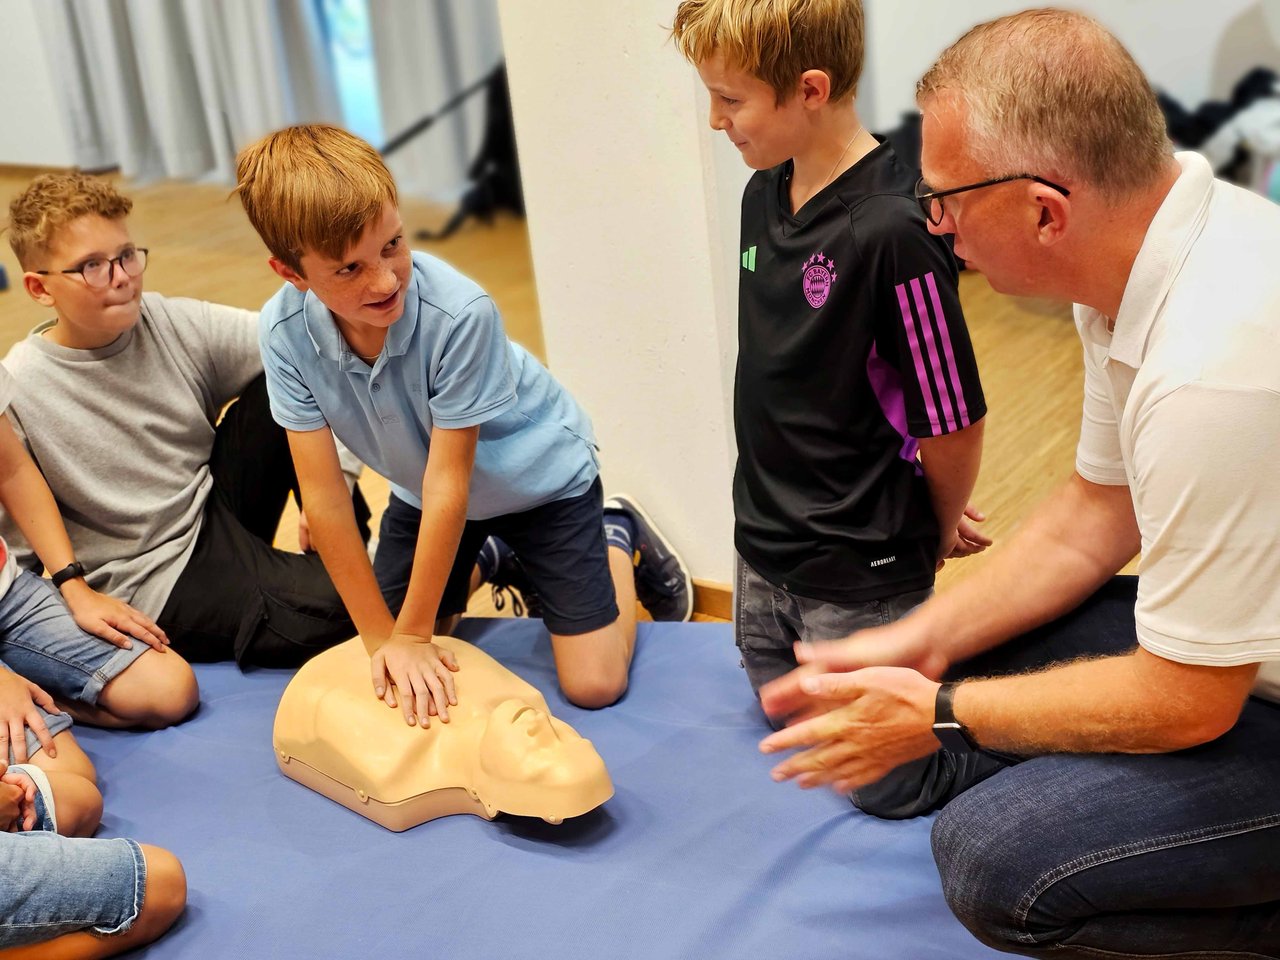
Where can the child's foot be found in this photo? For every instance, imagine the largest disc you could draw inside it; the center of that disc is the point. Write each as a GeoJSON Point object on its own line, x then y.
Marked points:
{"type": "Point", "coordinates": [506, 574]}
{"type": "Point", "coordinates": [663, 584]}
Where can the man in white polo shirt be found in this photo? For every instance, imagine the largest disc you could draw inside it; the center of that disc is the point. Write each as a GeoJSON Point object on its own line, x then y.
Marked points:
{"type": "Point", "coordinates": [1109, 776]}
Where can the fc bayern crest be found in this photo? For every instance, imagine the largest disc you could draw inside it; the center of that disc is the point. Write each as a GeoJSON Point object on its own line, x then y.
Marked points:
{"type": "Point", "coordinates": [819, 275]}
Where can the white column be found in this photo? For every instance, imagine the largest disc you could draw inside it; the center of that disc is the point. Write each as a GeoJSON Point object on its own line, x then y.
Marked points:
{"type": "Point", "coordinates": [633, 219]}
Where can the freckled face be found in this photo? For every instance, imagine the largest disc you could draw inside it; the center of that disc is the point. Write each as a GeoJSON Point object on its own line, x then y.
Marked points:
{"type": "Point", "coordinates": [366, 287]}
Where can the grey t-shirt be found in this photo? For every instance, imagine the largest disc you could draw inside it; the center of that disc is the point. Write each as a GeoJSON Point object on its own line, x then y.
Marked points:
{"type": "Point", "coordinates": [123, 434]}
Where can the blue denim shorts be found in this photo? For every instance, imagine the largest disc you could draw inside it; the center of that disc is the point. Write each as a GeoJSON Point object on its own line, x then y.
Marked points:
{"type": "Point", "coordinates": [39, 640]}
{"type": "Point", "coordinates": [57, 885]}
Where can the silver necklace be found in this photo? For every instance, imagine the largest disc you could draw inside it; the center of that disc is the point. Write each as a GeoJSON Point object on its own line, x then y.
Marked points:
{"type": "Point", "coordinates": [835, 166]}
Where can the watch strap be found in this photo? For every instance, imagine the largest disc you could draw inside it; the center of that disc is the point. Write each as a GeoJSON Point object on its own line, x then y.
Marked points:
{"type": "Point", "coordinates": [72, 570]}
{"type": "Point", "coordinates": [943, 706]}
{"type": "Point", "coordinates": [951, 733]}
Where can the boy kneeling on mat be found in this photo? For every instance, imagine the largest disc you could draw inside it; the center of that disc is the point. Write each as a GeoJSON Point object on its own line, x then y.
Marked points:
{"type": "Point", "coordinates": [406, 362]}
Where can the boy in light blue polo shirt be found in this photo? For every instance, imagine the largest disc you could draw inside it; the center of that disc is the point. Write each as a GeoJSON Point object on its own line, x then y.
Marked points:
{"type": "Point", "coordinates": [406, 361]}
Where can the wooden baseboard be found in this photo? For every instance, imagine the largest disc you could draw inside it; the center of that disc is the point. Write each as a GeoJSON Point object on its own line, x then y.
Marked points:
{"type": "Point", "coordinates": [712, 599]}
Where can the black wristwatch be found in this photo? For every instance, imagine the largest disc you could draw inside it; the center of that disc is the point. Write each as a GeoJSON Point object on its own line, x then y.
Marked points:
{"type": "Point", "coordinates": [72, 570]}
{"type": "Point", "coordinates": [951, 733]}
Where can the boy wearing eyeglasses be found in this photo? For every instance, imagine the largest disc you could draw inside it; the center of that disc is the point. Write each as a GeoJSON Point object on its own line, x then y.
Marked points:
{"type": "Point", "coordinates": [857, 405]}
{"type": "Point", "coordinates": [118, 399]}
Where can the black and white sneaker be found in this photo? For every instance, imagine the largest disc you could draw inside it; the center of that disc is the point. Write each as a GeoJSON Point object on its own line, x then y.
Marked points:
{"type": "Point", "coordinates": [509, 579]}
{"type": "Point", "coordinates": [663, 584]}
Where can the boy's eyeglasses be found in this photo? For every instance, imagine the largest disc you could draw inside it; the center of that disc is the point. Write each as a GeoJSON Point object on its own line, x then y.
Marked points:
{"type": "Point", "coordinates": [931, 201]}
{"type": "Point", "coordinates": [99, 273]}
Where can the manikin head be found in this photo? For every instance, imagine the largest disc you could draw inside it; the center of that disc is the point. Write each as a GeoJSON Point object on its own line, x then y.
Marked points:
{"type": "Point", "coordinates": [772, 68]}
{"type": "Point", "coordinates": [501, 752]}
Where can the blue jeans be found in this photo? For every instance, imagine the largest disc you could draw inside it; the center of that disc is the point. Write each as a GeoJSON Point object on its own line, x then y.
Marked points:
{"type": "Point", "coordinates": [57, 885]}
{"type": "Point", "coordinates": [1102, 855]}
{"type": "Point", "coordinates": [768, 621]}
{"type": "Point", "coordinates": [40, 640]}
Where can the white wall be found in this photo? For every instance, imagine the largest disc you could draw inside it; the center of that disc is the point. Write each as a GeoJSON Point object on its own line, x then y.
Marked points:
{"type": "Point", "coordinates": [633, 209]}
{"type": "Point", "coordinates": [32, 133]}
{"type": "Point", "coordinates": [633, 223]}
{"type": "Point", "coordinates": [1191, 49]}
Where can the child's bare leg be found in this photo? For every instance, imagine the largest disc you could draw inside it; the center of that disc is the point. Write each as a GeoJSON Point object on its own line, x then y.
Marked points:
{"type": "Point", "coordinates": [593, 667]}
{"type": "Point", "coordinates": [70, 758]}
{"type": "Point", "coordinates": [162, 904]}
{"type": "Point", "coordinates": [78, 802]}
{"type": "Point", "coordinates": [156, 690]}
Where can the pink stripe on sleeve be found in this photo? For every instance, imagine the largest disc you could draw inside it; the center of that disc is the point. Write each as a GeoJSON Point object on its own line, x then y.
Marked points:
{"type": "Point", "coordinates": [934, 360]}
{"type": "Point", "coordinates": [956, 385]}
{"type": "Point", "coordinates": [914, 342]}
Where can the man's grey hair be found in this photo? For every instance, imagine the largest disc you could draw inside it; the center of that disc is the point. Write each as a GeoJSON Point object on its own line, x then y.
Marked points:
{"type": "Point", "coordinates": [1052, 93]}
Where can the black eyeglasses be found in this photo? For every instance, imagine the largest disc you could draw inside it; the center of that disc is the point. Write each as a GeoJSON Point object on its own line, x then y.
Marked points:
{"type": "Point", "coordinates": [99, 273]}
{"type": "Point", "coordinates": [931, 201]}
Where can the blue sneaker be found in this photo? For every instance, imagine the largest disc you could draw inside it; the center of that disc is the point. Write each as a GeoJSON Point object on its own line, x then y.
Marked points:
{"type": "Point", "coordinates": [663, 584]}
{"type": "Point", "coordinates": [509, 579]}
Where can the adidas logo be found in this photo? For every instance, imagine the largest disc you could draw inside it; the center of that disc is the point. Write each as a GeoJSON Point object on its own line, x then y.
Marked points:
{"type": "Point", "coordinates": [749, 259]}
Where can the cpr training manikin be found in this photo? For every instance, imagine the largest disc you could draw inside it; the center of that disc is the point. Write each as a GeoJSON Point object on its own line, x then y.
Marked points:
{"type": "Point", "coordinates": [500, 752]}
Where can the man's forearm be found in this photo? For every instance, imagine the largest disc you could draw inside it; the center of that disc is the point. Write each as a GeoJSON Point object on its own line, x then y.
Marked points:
{"type": "Point", "coordinates": [1138, 703]}
{"type": "Point", "coordinates": [1072, 544]}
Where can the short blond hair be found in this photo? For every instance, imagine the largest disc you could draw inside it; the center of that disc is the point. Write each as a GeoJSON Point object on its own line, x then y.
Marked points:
{"type": "Point", "coordinates": [53, 200]}
{"type": "Point", "coordinates": [1052, 93]}
{"type": "Point", "coordinates": [777, 40]}
{"type": "Point", "coordinates": [312, 189]}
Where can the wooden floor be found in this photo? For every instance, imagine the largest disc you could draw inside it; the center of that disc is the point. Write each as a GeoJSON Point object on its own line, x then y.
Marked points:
{"type": "Point", "coordinates": [1029, 355]}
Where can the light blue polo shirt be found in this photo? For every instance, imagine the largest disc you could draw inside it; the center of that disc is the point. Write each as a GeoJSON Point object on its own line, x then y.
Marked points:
{"type": "Point", "coordinates": [446, 362]}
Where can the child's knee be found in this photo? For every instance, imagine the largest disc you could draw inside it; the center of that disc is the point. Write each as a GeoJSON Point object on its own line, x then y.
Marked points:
{"type": "Point", "coordinates": [158, 690]}
{"type": "Point", "coordinates": [172, 696]}
{"type": "Point", "coordinates": [78, 803]}
{"type": "Point", "coordinates": [166, 893]}
{"type": "Point", "coordinates": [70, 758]}
{"type": "Point", "coordinates": [905, 792]}
{"type": "Point", "coordinates": [593, 689]}
{"type": "Point", "coordinates": [180, 696]}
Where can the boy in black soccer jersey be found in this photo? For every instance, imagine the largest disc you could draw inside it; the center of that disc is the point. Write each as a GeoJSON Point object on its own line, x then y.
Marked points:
{"type": "Point", "coordinates": [857, 405]}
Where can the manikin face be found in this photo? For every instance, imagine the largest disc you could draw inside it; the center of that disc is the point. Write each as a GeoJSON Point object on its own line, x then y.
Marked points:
{"type": "Point", "coordinates": [765, 132]}
{"type": "Point", "coordinates": [366, 288]}
{"type": "Point", "coordinates": [88, 316]}
{"type": "Point", "coordinates": [526, 752]}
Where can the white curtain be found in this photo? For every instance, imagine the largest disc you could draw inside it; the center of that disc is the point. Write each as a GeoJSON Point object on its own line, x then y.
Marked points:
{"type": "Point", "coordinates": [427, 51]}
{"type": "Point", "coordinates": [172, 88]}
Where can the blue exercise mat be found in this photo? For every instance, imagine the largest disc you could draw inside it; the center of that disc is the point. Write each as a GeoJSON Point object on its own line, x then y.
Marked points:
{"type": "Point", "coordinates": [698, 855]}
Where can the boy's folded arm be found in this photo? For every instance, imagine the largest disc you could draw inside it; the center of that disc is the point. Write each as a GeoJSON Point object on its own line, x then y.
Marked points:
{"type": "Point", "coordinates": [951, 463]}
{"type": "Point", "coordinates": [335, 534]}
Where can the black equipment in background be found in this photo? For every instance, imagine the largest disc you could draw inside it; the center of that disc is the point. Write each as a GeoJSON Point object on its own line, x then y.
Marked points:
{"type": "Point", "coordinates": [495, 171]}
